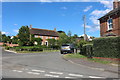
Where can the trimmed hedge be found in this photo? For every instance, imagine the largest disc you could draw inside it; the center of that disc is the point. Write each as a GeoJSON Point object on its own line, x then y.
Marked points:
{"type": "Point", "coordinates": [108, 47]}
{"type": "Point", "coordinates": [87, 50]}
{"type": "Point", "coordinates": [29, 48]}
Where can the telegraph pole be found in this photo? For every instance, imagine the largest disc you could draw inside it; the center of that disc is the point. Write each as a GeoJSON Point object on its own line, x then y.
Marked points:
{"type": "Point", "coordinates": [84, 18]}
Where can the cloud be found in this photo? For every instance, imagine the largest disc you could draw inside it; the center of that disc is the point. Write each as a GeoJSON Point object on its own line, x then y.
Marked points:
{"type": "Point", "coordinates": [87, 8]}
{"type": "Point", "coordinates": [96, 14]}
{"type": "Point", "coordinates": [87, 26]}
{"type": "Point", "coordinates": [15, 24]}
{"type": "Point", "coordinates": [64, 8]}
{"type": "Point", "coordinates": [99, 13]}
{"type": "Point", "coordinates": [16, 31]}
{"type": "Point", "coordinates": [5, 32]}
{"type": "Point", "coordinates": [107, 4]}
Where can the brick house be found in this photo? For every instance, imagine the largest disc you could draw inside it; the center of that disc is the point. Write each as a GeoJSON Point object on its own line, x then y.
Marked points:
{"type": "Point", "coordinates": [44, 34]}
{"type": "Point", "coordinates": [110, 23]}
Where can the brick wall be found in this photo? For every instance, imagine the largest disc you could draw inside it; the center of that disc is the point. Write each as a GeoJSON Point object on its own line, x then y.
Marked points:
{"type": "Point", "coordinates": [116, 25]}
{"type": "Point", "coordinates": [11, 45]}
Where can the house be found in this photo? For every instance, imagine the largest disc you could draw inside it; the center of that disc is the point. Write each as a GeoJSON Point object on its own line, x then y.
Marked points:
{"type": "Point", "coordinates": [44, 34]}
{"type": "Point", "coordinates": [110, 23]}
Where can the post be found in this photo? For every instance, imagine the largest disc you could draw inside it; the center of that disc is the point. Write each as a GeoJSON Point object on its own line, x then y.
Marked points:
{"type": "Point", "coordinates": [84, 27]}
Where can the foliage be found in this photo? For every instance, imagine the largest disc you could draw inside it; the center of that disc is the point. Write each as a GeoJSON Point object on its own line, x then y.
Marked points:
{"type": "Point", "coordinates": [24, 36]}
{"type": "Point", "coordinates": [7, 47]}
{"type": "Point", "coordinates": [6, 39]}
{"type": "Point", "coordinates": [28, 48]}
{"type": "Point", "coordinates": [15, 40]}
{"type": "Point", "coordinates": [38, 40]}
{"type": "Point", "coordinates": [87, 50]}
{"type": "Point", "coordinates": [107, 47]}
{"type": "Point", "coordinates": [63, 39]}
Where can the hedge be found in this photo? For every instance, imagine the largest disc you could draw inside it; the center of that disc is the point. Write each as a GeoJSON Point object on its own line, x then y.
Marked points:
{"type": "Point", "coordinates": [87, 50]}
{"type": "Point", "coordinates": [29, 48]}
{"type": "Point", "coordinates": [108, 47]}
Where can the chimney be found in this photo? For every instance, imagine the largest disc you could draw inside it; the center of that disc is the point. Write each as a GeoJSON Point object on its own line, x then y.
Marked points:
{"type": "Point", "coordinates": [54, 29]}
{"type": "Point", "coordinates": [116, 4]}
{"type": "Point", "coordinates": [30, 26]}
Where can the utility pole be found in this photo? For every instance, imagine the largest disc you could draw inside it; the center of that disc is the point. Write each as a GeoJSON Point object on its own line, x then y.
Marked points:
{"type": "Point", "coordinates": [84, 18]}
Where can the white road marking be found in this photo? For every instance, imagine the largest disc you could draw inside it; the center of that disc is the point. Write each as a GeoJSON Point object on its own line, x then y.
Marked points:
{"type": "Point", "coordinates": [69, 77]}
{"type": "Point", "coordinates": [14, 70]}
{"type": "Point", "coordinates": [94, 77]}
{"type": "Point", "coordinates": [17, 71]}
{"type": "Point", "coordinates": [33, 73]}
{"type": "Point", "coordinates": [77, 75]}
{"type": "Point", "coordinates": [49, 75]}
{"type": "Point", "coordinates": [38, 70]}
{"type": "Point", "coordinates": [56, 73]}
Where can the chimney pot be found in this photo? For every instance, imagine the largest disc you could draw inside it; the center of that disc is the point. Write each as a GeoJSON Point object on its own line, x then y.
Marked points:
{"type": "Point", "coordinates": [116, 4]}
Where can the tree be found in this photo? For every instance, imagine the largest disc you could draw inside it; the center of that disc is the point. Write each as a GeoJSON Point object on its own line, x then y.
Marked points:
{"type": "Point", "coordinates": [63, 39]}
{"type": "Point", "coordinates": [24, 36]}
{"type": "Point", "coordinates": [15, 40]}
{"type": "Point", "coordinates": [38, 40]}
{"type": "Point", "coordinates": [6, 39]}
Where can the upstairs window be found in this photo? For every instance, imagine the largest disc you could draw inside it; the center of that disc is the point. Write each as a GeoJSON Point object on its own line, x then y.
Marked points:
{"type": "Point", "coordinates": [110, 23]}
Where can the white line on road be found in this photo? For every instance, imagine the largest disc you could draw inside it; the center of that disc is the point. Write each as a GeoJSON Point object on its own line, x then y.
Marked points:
{"type": "Point", "coordinates": [56, 73]}
{"type": "Point", "coordinates": [69, 77]}
{"type": "Point", "coordinates": [49, 75]}
{"type": "Point", "coordinates": [33, 73]}
{"type": "Point", "coordinates": [77, 75]}
{"type": "Point", "coordinates": [94, 77]}
{"type": "Point", "coordinates": [37, 70]}
{"type": "Point", "coordinates": [17, 71]}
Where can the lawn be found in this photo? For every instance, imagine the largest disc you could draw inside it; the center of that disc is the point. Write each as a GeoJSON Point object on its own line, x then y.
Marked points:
{"type": "Point", "coordinates": [84, 57]}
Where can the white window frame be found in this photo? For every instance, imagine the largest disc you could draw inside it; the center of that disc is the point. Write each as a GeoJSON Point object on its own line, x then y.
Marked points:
{"type": "Point", "coordinates": [41, 37]}
{"type": "Point", "coordinates": [36, 36]}
{"type": "Point", "coordinates": [108, 24]}
{"type": "Point", "coordinates": [46, 37]}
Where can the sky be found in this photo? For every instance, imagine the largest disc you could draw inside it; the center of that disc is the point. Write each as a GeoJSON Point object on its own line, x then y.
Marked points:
{"type": "Point", "coordinates": [64, 15]}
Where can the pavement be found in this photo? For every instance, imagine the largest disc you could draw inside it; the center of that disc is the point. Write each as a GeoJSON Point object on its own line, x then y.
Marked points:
{"type": "Point", "coordinates": [94, 65]}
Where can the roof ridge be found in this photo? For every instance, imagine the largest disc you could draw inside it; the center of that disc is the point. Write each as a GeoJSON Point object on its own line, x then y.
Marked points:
{"type": "Point", "coordinates": [43, 29]}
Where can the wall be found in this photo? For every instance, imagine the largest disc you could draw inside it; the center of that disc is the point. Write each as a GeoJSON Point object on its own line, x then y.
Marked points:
{"type": "Point", "coordinates": [116, 25]}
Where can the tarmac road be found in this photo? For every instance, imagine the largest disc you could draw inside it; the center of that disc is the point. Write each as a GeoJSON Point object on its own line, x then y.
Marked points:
{"type": "Point", "coordinates": [46, 65]}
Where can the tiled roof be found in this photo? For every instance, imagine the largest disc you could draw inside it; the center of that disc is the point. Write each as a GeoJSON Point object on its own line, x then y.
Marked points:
{"type": "Point", "coordinates": [44, 32]}
{"type": "Point", "coordinates": [111, 12]}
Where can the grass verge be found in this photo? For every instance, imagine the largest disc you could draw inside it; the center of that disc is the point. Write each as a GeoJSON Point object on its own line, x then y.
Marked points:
{"type": "Point", "coordinates": [89, 59]}
{"type": "Point", "coordinates": [37, 51]}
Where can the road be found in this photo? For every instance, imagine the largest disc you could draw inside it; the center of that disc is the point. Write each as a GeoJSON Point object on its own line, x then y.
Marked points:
{"type": "Point", "coordinates": [46, 65]}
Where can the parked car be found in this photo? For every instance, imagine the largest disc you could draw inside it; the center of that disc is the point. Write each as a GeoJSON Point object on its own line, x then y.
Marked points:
{"type": "Point", "coordinates": [67, 48]}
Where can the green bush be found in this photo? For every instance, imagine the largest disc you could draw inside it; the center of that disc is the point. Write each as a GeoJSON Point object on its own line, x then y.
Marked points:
{"type": "Point", "coordinates": [4, 45]}
{"type": "Point", "coordinates": [7, 48]}
{"type": "Point", "coordinates": [87, 50]}
{"type": "Point", "coordinates": [29, 48]}
{"type": "Point", "coordinates": [107, 47]}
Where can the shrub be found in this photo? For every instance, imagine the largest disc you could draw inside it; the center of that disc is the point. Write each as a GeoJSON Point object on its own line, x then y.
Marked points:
{"type": "Point", "coordinates": [4, 45]}
{"type": "Point", "coordinates": [107, 47]}
{"type": "Point", "coordinates": [29, 48]}
{"type": "Point", "coordinates": [87, 50]}
{"type": "Point", "coordinates": [8, 48]}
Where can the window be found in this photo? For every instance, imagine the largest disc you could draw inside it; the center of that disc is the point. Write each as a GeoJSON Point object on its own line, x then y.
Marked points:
{"type": "Point", "coordinates": [36, 36]}
{"type": "Point", "coordinates": [41, 37]}
{"type": "Point", "coordinates": [46, 37]}
{"type": "Point", "coordinates": [50, 37]}
{"type": "Point", "coordinates": [110, 23]}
